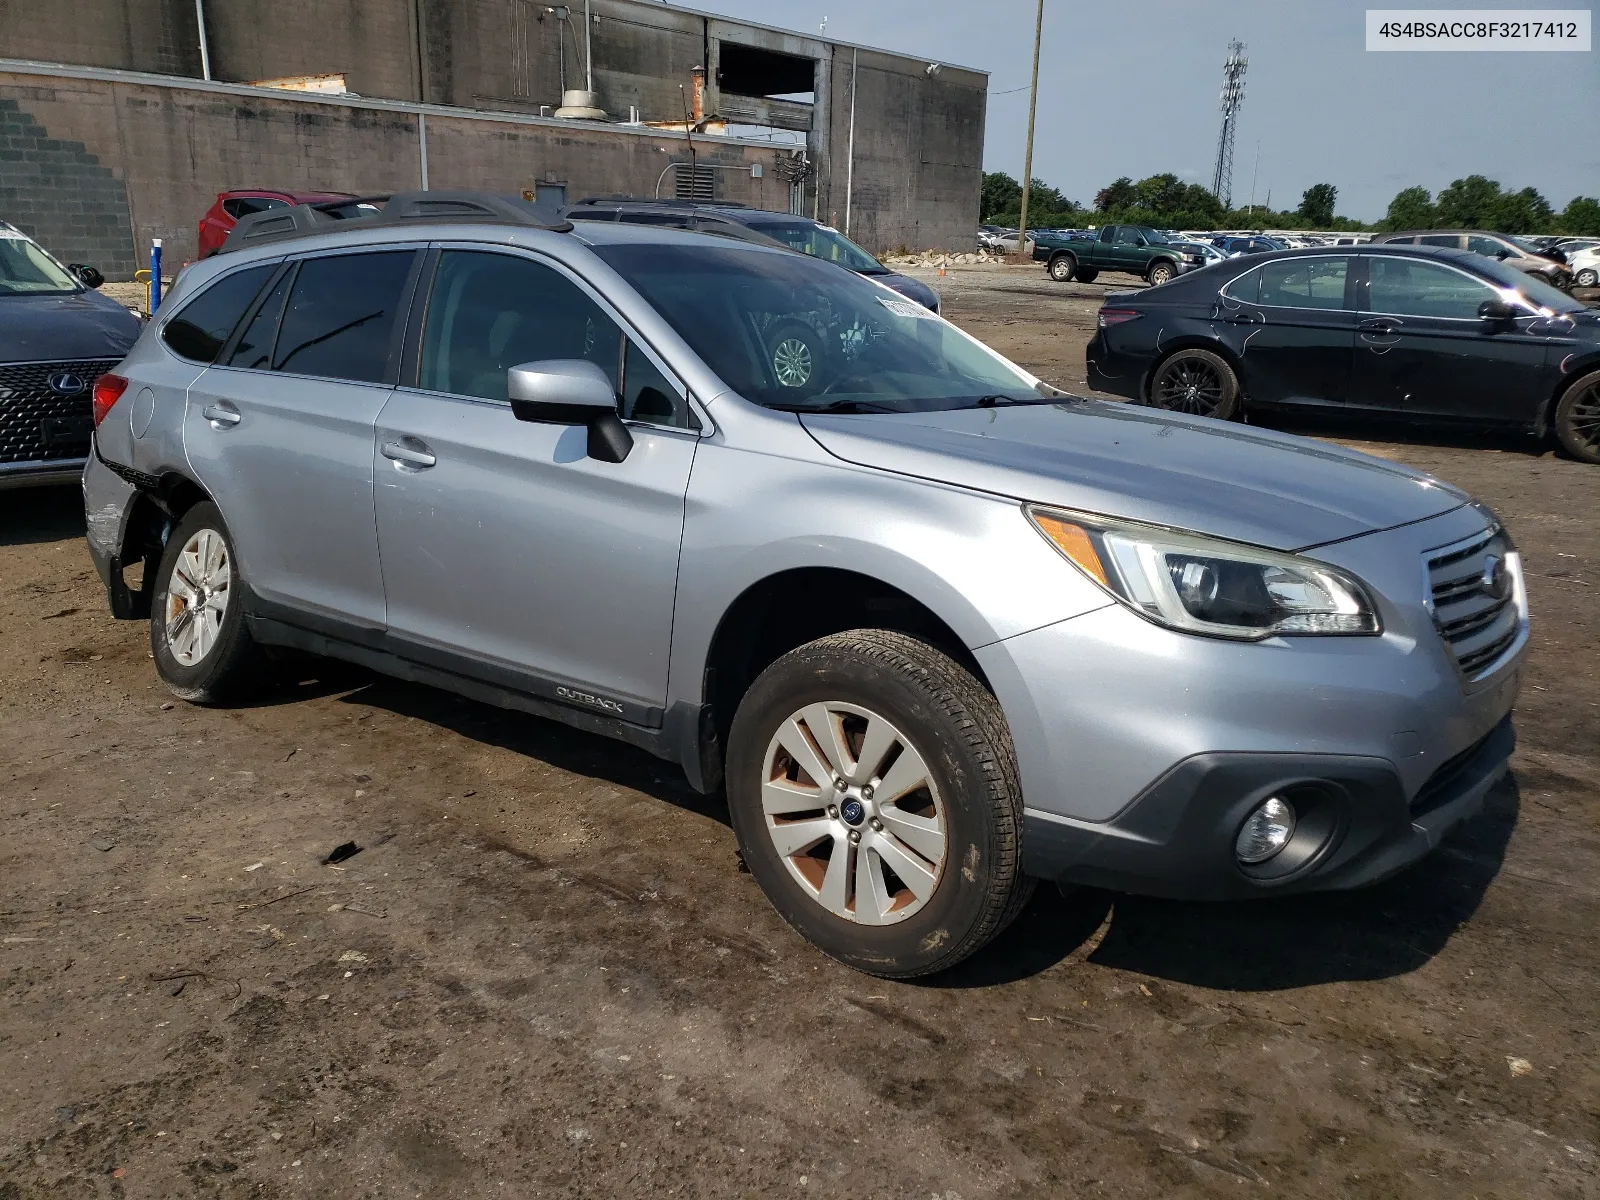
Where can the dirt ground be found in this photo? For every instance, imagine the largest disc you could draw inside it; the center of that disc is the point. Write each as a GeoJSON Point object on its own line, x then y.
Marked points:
{"type": "Point", "coordinates": [544, 974]}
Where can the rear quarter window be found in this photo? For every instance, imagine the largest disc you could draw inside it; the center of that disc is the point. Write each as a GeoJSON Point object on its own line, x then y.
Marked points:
{"type": "Point", "coordinates": [203, 325]}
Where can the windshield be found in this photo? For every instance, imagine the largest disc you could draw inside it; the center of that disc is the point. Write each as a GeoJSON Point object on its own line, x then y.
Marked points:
{"type": "Point", "coordinates": [820, 241]}
{"type": "Point", "coordinates": [25, 268]}
{"type": "Point", "coordinates": [792, 333]}
{"type": "Point", "coordinates": [1535, 289]}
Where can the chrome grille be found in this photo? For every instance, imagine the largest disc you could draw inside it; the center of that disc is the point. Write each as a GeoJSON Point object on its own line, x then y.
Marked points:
{"type": "Point", "coordinates": [1478, 620]}
{"type": "Point", "coordinates": [36, 423]}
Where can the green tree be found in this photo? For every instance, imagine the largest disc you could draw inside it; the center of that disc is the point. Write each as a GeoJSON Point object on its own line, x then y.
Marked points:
{"type": "Point", "coordinates": [1470, 203]}
{"type": "Point", "coordinates": [1523, 212]}
{"type": "Point", "coordinates": [1001, 194]}
{"type": "Point", "coordinates": [1411, 209]}
{"type": "Point", "coordinates": [1581, 217]}
{"type": "Point", "coordinates": [1316, 205]}
{"type": "Point", "coordinates": [1121, 194]}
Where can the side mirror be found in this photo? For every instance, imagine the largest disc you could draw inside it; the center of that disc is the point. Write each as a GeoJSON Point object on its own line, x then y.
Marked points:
{"type": "Point", "coordinates": [571, 391]}
{"type": "Point", "coordinates": [88, 276]}
{"type": "Point", "coordinates": [1496, 311]}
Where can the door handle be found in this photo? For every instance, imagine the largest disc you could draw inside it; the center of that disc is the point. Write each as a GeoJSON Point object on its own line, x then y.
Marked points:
{"type": "Point", "coordinates": [222, 416]}
{"type": "Point", "coordinates": [414, 455]}
{"type": "Point", "coordinates": [1379, 325]}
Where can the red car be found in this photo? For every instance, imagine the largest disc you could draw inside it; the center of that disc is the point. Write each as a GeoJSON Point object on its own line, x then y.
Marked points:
{"type": "Point", "coordinates": [230, 206]}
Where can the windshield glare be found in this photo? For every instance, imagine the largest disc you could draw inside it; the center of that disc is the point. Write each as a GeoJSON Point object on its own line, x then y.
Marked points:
{"type": "Point", "coordinates": [25, 268]}
{"type": "Point", "coordinates": [788, 332]}
{"type": "Point", "coordinates": [1537, 291]}
{"type": "Point", "coordinates": [820, 241]}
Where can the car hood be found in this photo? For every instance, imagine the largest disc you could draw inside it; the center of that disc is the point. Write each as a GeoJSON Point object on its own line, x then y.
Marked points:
{"type": "Point", "coordinates": [52, 328]}
{"type": "Point", "coordinates": [1213, 477]}
{"type": "Point", "coordinates": [911, 289]}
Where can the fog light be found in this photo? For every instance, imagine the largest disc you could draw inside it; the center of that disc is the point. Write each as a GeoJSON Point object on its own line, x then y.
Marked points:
{"type": "Point", "coordinates": [1266, 831]}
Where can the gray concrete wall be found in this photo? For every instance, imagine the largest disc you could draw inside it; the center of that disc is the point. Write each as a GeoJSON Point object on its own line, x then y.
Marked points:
{"type": "Point", "coordinates": [175, 147]}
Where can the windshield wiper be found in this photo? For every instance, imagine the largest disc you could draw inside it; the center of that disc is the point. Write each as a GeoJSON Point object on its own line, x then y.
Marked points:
{"type": "Point", "coordinates": [836, 406]}
{"type": "Point", "coordinates": [999, 401]}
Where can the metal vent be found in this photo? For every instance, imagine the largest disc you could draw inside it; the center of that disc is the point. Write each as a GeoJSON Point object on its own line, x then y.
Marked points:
{"type": "Point", "coordinates": [39, 423]}
{"type": "Point", "coordinates": [1476, 598]}
{"type": "Point", "coordinates": [695, 183]}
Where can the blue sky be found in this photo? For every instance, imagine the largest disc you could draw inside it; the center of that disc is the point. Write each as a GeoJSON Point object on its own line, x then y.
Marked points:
{"type": "Point", "coordinates": [1130, 88]}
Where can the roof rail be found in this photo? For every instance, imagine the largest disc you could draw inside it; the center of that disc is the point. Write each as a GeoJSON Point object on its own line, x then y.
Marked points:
{"type": "Point", "coordinates": [303, 220]}
{"type": "Point", "coordinates": [660, 202]}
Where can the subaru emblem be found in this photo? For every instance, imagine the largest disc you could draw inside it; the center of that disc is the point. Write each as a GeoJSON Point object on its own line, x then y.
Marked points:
{"type": "Point", "coordinates": [65, 383]}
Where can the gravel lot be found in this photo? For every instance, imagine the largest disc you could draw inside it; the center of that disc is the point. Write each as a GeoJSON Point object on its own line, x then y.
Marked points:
{"type": "Point", "coordinates": [544, 974]}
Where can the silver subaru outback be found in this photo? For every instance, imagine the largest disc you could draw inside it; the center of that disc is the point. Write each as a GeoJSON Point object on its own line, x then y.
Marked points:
{"type": "Point", "coordinates": [938, 629]}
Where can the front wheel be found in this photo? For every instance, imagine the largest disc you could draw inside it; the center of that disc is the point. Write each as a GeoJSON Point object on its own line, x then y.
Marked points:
{"type": "Point", "coordinates": [1161, 272]}
{"type": "Point", "coordinates": [1587, 277]}
{"type": "Point", "coordinates": [1578, 418]}
{"type": "Point", "coordinates": [874, 792]}
{"type": "Point", "coordinates": [1063, 268]}
{"type": "Point", "coordinates": [1197, 382]}
{"type": "Point", "coordinates": [202, 649]}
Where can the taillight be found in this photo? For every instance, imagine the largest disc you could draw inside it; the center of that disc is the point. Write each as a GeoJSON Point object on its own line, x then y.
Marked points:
{"type": "Point", "coordinates": [108, 390]}
{"type": "Point", "coordinates": [1116, 316]}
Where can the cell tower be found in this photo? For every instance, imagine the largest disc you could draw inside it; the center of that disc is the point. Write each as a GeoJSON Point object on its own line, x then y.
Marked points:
{"type": "Point", "coordinates": [1232, 97]}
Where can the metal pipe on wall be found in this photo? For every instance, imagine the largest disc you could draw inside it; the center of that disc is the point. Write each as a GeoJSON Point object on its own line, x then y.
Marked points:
{"type": "Point", "coordinates": [850, 158]}
{"type": "Point", "coordinates": [205, 50]}
{"type": "Point", "coordinates": [422, 147]}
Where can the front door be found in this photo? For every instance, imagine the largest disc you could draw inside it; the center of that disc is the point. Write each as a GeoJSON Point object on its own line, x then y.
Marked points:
{"type": "Point", "coordinates": [508, 553]}
{"type": "Point", "coordinates": [1422, 348]}
{"type": "Point", "coordinates": [1293, 328]}
{"type": "Point", "coordinates": [281, 435]}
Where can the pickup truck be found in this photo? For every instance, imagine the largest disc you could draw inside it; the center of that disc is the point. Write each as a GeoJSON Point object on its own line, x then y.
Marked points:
{"type": "Point", "coordinates": [1134, 249]}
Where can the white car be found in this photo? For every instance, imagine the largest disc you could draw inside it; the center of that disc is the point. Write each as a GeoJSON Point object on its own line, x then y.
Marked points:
{"type": "Point", "coordinates": [1585, 267]}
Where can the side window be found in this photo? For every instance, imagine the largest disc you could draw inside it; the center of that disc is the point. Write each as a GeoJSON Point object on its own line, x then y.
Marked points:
{"type": "Point", "coordinates": [1450, 240]}
{"type": "Point", "coordinates": [202, 326]}
{"type": "Point", "coordinates": [1303, 283]}
{"type": "Point", "coordinates": [254, 347]}
{"type": "Point", "coordinates": [341, 315]}
{"type": "Point", "coordinates": [490, 312]}
{"type": "Point", "coordinates": [1485, 245]}
{"type": "Point", "coordinates": [648, 395]}
{"type": "Point", "coordinates": [1246, 288]}
{"type": "Point", "coordinates": [1127, 235]}
{"type": "Point", "coordinates": [243, 206]}
{"type": "Point", "coordinates": [1408, 287]}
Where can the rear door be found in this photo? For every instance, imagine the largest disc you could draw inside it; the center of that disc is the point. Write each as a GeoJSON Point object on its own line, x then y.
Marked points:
{"type": "Point", "coordinates": [281, 434]}
{"type": "Point", "coordinates": [1298, 324]}
{"type": "Point", "coordinates": [1422, 348]}
{"type": "Point", "coordinates": [508, 553]}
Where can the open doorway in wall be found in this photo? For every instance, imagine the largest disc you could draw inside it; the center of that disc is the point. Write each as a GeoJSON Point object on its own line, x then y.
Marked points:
{"type": "Point", "coordinates": [771, 74]}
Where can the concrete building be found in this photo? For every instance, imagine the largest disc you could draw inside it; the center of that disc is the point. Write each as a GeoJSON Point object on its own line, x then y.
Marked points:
{"type": "Point", "coordinates": [110, 132]}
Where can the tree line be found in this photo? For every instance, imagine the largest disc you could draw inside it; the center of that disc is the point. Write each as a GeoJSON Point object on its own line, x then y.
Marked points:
{"type": "Point", "coordinates": [1165, 201]}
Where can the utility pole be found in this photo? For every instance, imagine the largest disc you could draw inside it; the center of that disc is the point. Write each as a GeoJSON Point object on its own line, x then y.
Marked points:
{"type": "Point", "coordinates": [1254, 171]}
{"type": "Point", "coordinates": [1232, 97]}
{"type": "Point", "coordinates": [1027, 157]}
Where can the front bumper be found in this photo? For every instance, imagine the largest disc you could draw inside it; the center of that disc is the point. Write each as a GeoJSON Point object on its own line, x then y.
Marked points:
{"type": "Point", "coordinates": [1142, 750]}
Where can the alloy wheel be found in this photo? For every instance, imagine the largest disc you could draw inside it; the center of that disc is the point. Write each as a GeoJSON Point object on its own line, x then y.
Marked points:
{"type": "Point", "coordinates": [791, 362]}
{"type": "Point", "coordinates": [1190, 385]}
{"type": "Point", "coordinates": [854, 813]}
{"type": "Point", "coordinates": [1583, 419]}
{"type": "Point", "coordinates": [197, 597]}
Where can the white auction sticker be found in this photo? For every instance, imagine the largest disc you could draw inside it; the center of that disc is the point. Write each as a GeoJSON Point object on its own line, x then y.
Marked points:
{"type": "Point", "coordinates": [907, 308]}
{"type": "Point", "coordinates": [1497, 29]}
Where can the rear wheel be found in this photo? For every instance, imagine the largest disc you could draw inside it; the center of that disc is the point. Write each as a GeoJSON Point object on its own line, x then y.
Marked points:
{"type": "Point", "coordinates": [1578, 418]}
{"type": "Point", "coordinates": [202, 649]}
{"type": "Point", "coordinates": [1587, 277]}
{"type": "Point", "coordinates": [1063, 268]}
{"type": "Point", "coordinates": [1197, 382]}
{"type": "Point", "coordinates": [1161, 271]}
{"type": "Point", "coordinates": [873, 788]}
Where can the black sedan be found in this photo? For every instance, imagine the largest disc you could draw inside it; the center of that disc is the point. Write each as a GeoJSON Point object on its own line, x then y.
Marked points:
{"type": "Point", "coordinates": [1430, 335]}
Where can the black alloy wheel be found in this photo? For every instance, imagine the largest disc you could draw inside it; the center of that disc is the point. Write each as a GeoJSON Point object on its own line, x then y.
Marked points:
{"type": "Point", "coordinates": [1578, 419]}
{"type": "Point", "coordinates": [1197, 382]}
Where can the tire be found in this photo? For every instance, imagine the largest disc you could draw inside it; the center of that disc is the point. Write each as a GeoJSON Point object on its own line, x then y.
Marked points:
{"type": "Point", "coordinates": [1578, 418]}
{"type": "Point", "coordinates": [213, 659]}
{"type": "Point", "coordinates": [797, 356]}
{"type": "Point", "coordinates": [1197, 382]}
{"type": "Point", "coordinates": [1161, 271]}
{"type": "Point", "coordinates": [1587, 277]}
{"type": "Point", "coordinates": [1088, 274]}
{"type": "Point", "coordinates": [1063, 268]}
{"type": "Point", "coordinates": [959, 861]}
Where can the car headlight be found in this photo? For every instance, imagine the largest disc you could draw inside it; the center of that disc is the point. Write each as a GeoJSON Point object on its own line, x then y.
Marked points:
{"type": "Point", "coordinates": [1206, 585]}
